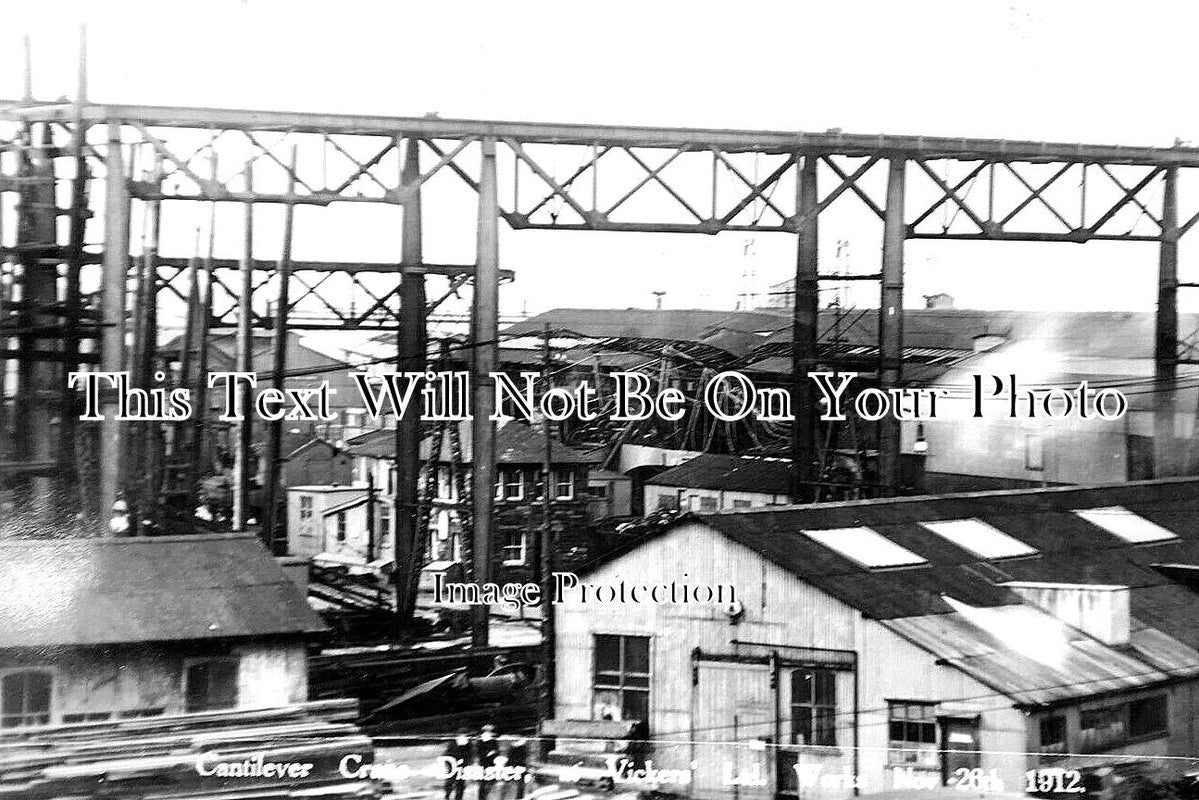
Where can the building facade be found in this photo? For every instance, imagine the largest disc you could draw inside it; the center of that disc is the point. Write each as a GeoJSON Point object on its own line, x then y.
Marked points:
{"type": "Point", "coordinates": [865, 652]}
{"type": "Point", "coordinates": [713, 482]}
{"type": "Point", "coordinates": [349, 525]}
{"type": "Point", "coordinates": [109, 629]}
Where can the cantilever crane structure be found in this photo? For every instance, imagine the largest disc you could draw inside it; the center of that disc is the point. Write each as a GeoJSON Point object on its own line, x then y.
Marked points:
{"type": "Point", "coordinates": [119, 166]}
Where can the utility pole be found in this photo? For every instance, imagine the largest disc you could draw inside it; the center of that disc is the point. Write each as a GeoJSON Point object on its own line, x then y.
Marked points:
{"type": "Point", "coordinates": [371, 536]}
{"type": "Point", "coordinates": [245, 363]}
{"type": "Point", "coordinates": [272, 518]}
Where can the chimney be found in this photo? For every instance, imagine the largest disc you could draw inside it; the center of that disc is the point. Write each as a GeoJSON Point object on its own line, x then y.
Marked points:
{"type": "Point", "coordinates": [940, 300]}
{"type": "Point", "coordinates": [1098, 610]}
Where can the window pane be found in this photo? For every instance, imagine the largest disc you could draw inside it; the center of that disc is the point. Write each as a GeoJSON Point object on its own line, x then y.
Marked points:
{"type": "Point", "coordinates": [223, 685]}
{"type": "Point", "coordinates": [14, 694]}
{"type": "Point", "coordinates": [607, 654]}
{"type": "Point", "coordinates": [896, 731]}
{"type": "Point", "coordinates": [826, 690]}
{"type": "Point", "coordinates": [824, 727]}
{"type": "Point", "coordinates": [636, 654]}
{"type": "Point", "coordinates": [1053, 731]}
{"type": "Point", "coordinates": [802, 686]}
{"type": "Point", "coordinates": [37, 693]}
{"type": "Point", "coordinates": [929, 733]}
{"type": "Point", "coordinates": [801, 725]}
{"type": "Point", "coordinates": [636, 706]}
{"type": "Point", "coordinates": [1147, 716]}
{"type": "Point", "coordinates": [212, 685]}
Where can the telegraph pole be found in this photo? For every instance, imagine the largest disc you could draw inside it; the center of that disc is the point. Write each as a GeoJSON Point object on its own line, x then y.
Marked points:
{"type": "Point", "coordinates": [272, 520]}
{"type": "Point", "coordinates": [245, 363]}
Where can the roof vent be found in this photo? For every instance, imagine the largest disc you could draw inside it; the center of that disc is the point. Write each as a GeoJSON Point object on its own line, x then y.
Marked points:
{"type": "Point", "coordinates": [1099, 611]}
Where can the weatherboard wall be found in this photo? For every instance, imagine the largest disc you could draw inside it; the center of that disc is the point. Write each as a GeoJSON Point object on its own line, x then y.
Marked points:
{"type": "Point", "coordinates": [779, 611]}
{"type": "Point", "coordinates": [151, 677]}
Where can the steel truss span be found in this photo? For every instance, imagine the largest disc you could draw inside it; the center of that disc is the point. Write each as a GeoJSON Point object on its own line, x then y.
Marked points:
{"type": "Point", "coordinates": [531, 176]}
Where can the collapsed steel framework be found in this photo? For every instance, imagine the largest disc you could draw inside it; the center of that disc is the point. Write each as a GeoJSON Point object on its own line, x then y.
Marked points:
{"type": "Point", "coordinates": [631, 179]}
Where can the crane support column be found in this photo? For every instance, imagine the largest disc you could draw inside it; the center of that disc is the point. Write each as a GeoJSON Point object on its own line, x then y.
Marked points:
{"type": "Point", "coordinates": [412, 351]}
{"type": "Point", "coordinates": [485, 333]}
{"type": "Point", "coordinates": [803, 333]}
{"type": "Point", "coordinates": [274, 513]}
{"type": "Point", "coordinates": [112, 305]}
{"type": "Point", "coordinates": [890, 322]}
{"type": "Point", "coordinates": [1165, 351]}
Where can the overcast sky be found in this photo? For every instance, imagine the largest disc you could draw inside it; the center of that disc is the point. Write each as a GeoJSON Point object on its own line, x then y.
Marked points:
{"type": "Point", "coordinates": [1069, 71]}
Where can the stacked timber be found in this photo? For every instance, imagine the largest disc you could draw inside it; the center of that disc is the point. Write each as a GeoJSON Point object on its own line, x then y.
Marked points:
{"type": "Point", "coordinates": [262, 754]}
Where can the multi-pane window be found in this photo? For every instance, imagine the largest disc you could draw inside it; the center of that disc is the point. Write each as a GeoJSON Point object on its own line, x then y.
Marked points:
{"type": "Point", "coordinates": [514, 484]}
{"type": "Point", "coordinates": [341, 526]}
{"type": "Point", "coordinates": [621, 677]}
{"type": "Point", "coordinates": [707, 504]}
{"type": "Point", "coordinates": [1102, 727]}
{"type": "Point", "coordinates": [1109, 726]}
{"type": "Point", "coordinates": [25, 699]}
{"type": "Point", "coordinates": [384, 521]}
{"type": "Point", "coordinates": [564, 484]}
{"type": "Point", "coordinates": [515, 546]}
{"type": "Point", "coordinates": [211, 685]}
{"type": "Point", "coordinates": [912, 734]}
{"type": "Point", "coordinates": [1053, 734]}
{"type": "Point", "coordinates": [813, 707]}
{"type": "Point", "coordinates": [305, 506]}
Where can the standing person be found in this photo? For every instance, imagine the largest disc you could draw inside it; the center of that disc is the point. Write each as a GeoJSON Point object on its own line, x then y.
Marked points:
{"type": "Point", "coordinates": [458, 749]}
{"type": "Point", "coordinates": [489, 751]}
{"type": "Point", "coordinates": [518, 756]}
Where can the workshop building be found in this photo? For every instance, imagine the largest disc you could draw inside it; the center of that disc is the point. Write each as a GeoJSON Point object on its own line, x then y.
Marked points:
{"type": "Point", "coordinates": [123, 628]}
{"type": "Point", "coordinates": [904, 643]}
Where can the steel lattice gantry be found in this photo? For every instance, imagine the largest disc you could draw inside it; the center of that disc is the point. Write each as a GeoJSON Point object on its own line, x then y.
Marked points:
{"type": "Point", "coordinates": [539, 176]}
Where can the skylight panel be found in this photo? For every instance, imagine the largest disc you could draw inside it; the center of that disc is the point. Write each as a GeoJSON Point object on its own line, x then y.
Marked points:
{"type": "Point", "coordinates": [984, 540]}
{"type": "Point", "coordinates": [867, 547]}
{"type": "Point", "coordinates": [1119, 521]}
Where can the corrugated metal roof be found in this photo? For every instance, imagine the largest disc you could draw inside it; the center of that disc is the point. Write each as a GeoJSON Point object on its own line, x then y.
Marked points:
{"type": "Point", "coordinates": [955, 604]}
{"type": "Point", "coordinates": [1035, 659]}
{"type": "Point", "coordinates": [145, 589]}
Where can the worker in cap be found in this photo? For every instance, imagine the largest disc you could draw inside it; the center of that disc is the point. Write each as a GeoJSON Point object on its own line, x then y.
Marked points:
{"type": "Point", "coordinates": [458, 749]}
{"type": "Point", "coordinates": [489, 751]}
